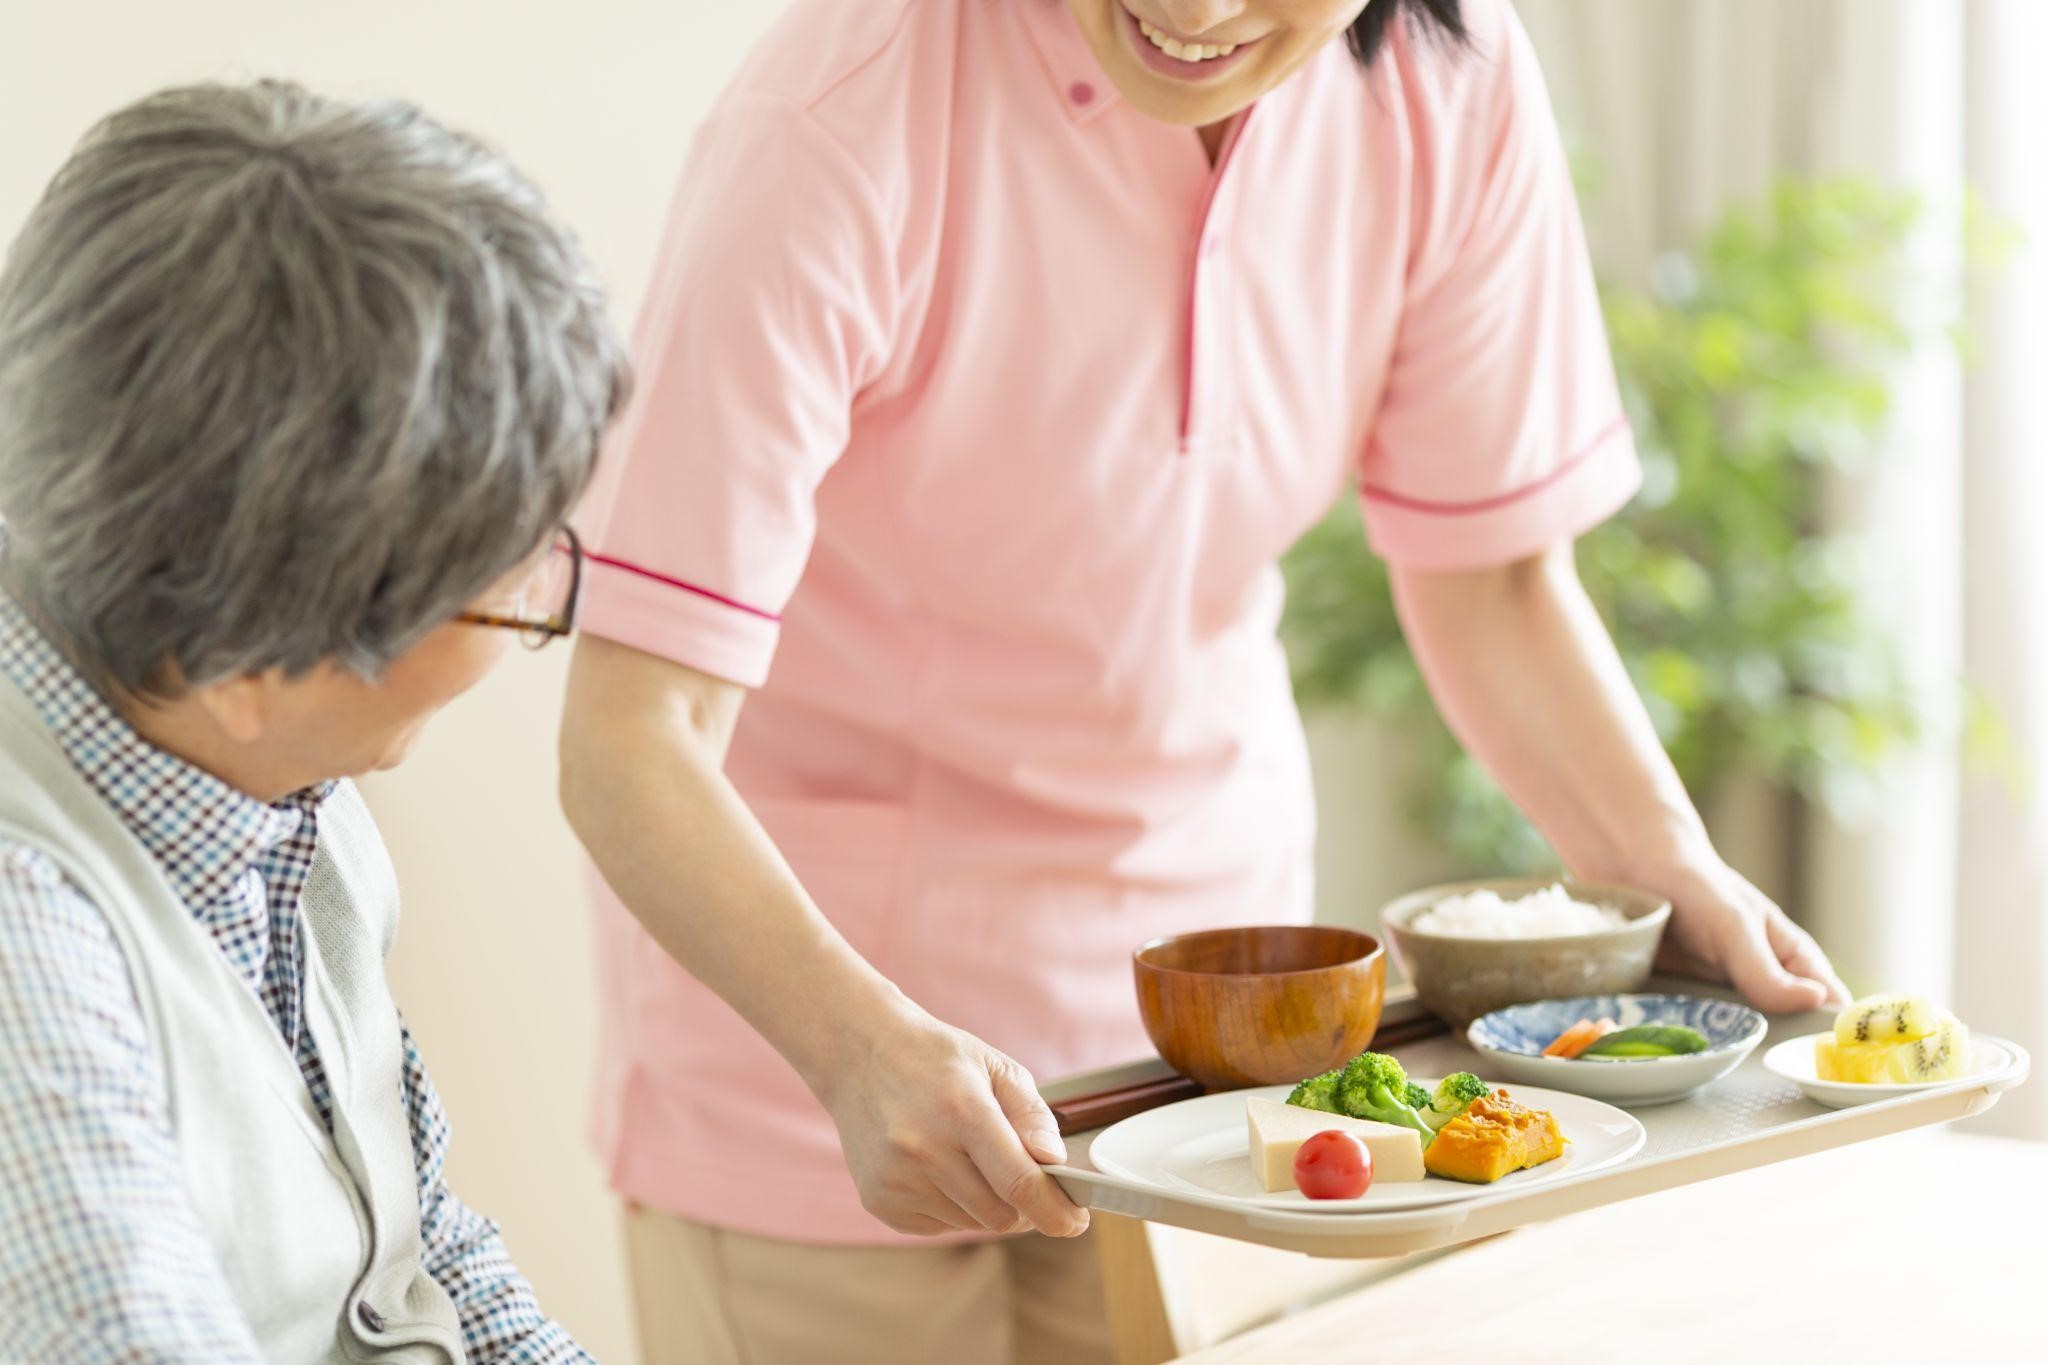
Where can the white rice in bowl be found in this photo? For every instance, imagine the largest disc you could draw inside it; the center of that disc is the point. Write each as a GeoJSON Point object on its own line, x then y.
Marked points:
{"type": "Point", "coordinates": [1548, 913]}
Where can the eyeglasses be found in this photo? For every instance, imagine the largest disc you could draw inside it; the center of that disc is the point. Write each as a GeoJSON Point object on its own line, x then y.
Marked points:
{"type": "Point", "coordinates": [546, 609]}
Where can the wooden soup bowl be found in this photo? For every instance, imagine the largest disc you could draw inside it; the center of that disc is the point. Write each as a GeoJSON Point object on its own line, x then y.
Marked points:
{"type": "Point", "coordinates": [1265, 1005]}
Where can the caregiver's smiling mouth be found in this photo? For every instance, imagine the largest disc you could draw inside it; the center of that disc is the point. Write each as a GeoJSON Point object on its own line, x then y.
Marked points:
{"type": "Point", "coordinates": [1167, 53]}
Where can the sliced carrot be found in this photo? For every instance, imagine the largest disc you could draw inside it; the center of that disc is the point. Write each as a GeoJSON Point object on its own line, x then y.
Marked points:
{"type": "Point", "coordinates": [1579, 1037]}
{"type": "Point", "coordinates": [1573, 1040]}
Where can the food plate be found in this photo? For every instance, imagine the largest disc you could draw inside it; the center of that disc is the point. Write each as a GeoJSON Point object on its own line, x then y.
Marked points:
{"type": "Point", "coordinates": [1990, 1059]}
{"type": "Point", "coordinates": [1512, 1041]}
{"type": "Point", "coordinates": [1201, 1146]}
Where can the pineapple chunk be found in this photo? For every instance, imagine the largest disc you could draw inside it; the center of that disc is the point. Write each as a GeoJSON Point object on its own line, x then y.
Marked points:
{"type": "Point", "coordinates": [1862, 1063]}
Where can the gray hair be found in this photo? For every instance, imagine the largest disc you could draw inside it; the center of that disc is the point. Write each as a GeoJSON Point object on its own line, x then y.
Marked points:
{"type": "Point", "coordinates": [285, 381]}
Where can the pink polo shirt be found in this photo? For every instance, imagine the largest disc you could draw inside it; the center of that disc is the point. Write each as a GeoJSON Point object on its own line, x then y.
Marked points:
{"type": "Point", "coordinates": [974, 411]}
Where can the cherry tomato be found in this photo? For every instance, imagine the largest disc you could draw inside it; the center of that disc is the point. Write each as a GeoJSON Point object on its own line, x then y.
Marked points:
{"type": "Point", "coordinates": [1333, 1165]}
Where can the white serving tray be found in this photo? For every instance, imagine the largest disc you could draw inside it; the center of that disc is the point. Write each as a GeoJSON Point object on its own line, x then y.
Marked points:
{"type": "Point", "coordinates": [1748, 1118]}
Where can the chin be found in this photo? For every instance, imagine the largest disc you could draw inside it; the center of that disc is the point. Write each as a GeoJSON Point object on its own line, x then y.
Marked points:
{"type": "Point", "coordinates": [1180, 111]}
{"type": "Point", "coordinates": [1174, 95]}
{"type": "Point", "coordinates": [396, 754]}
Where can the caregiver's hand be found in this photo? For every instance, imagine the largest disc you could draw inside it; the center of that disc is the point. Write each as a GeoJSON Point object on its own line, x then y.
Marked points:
{"type": "Point", "coordinates": [1724, 929]}
{"type": "Point", "coordinates": [944, 1133]}
{"type": "Point", "coordinates": [1523, 669]}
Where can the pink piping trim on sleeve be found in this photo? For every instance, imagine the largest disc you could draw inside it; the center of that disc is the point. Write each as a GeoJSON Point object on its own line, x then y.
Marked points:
{"type": "Point", "coordinates": [1563, 471]}
{"type": "Point", "coordinates": [717, 597]}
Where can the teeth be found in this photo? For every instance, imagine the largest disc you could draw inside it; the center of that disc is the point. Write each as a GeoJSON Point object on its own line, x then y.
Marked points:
{"type": "Point", "coordinates": [1185, 52]}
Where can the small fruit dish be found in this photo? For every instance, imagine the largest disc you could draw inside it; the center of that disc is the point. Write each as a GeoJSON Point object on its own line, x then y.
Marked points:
{"type": "Point", "coordinates": [1990, 1059]}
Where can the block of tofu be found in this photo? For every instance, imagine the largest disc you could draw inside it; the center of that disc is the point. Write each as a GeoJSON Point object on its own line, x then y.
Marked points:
{"type": "Point", "coordinates": [1278, 1130]}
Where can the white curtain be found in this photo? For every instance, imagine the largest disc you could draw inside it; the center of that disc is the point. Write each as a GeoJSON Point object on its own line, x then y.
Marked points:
{"type": "Point", "coordinates": [2002, 881]}
{"type": "Point", "coordinates": [1685, 105]}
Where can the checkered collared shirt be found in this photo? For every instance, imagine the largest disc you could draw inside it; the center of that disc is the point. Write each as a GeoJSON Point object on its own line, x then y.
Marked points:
{"type": "Point", "coordinates": [102, 1260]}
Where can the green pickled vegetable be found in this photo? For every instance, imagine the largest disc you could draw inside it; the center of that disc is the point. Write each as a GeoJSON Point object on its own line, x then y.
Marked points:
{"type": "Point", "coordinates": [1649, 1040]}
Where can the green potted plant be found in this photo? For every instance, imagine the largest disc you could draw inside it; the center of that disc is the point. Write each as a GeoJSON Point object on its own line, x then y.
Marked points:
{"type": "Point", "coordinates": [1751, 369]}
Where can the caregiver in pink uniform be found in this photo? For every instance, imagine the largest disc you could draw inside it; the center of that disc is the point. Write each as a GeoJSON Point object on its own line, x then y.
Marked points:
{"type": "Point", "coordinates": [997, 351]}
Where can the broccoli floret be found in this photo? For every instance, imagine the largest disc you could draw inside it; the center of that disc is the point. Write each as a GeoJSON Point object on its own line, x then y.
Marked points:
{"type": "Point", "coordinates": [1457, 1090]}
{"type": "Point", "coordinates": [1318, 1092]}
{"type": "Point", "coordinates": [1454, 1094]}
{"type": "Point", "coordinates": [1417, 1096]}
{"type": "Point", "coordinates": [1374, 1086]}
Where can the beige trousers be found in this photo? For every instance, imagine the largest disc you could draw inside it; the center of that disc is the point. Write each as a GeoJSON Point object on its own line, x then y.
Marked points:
{"type": "Point", "coordinates": [706, 1296]}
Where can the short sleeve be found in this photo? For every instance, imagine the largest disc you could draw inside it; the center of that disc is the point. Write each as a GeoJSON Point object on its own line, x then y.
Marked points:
{"type": "Point", "coordinates": [1500, 431]}
{"type": "Point", "coordinates": [771, 308]}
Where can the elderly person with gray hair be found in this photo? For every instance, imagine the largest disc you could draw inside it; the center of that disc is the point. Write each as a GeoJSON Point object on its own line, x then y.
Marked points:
{"type": "Point", "coordinates": [295, 399]}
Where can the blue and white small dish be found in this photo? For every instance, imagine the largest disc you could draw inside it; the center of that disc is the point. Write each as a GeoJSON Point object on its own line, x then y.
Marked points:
{"type": "Point", "coordinates": [1512, 1042]}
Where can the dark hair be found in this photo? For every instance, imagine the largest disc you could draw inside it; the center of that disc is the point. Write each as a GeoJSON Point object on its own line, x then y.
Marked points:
{"type": "Point", "coordinates": [1369, 30]}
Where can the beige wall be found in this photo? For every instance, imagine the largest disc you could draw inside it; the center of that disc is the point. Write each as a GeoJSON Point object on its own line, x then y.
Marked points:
{"type": "Point", "coordinates": [596, 101]}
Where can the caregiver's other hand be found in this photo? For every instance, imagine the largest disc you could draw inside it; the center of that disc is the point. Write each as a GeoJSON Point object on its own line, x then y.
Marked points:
{"type": "Point", "coordinates": [1523, 669]}
{"type": "Point", "coordinates": [943, 1133]}
{"type": "Point", "coordinates": [1724, 929]}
